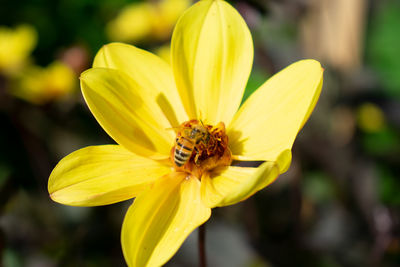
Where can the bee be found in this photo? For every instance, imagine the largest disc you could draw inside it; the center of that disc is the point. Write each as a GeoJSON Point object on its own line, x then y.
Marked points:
{"type": "Point", "coordinates": [188, 140]}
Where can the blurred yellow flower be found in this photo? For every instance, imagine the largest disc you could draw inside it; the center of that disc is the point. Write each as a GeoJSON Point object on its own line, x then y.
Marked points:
{"type": "Point", "coordinates": [164, 52]}
{"type": "Point", "coordinates": [178, 177]}
{"type": "Point", "coordinates": [152, 20]}
{"type": "Point", "coordinates": [16, 46]}
{"type": "Point", "coordinates": [371, 118]}
{"type": "Point", "coordinates": [39, 85]}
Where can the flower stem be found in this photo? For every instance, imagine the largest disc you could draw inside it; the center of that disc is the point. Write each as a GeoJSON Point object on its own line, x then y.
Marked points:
{"type": "Point", "coordinates": [202, 250]}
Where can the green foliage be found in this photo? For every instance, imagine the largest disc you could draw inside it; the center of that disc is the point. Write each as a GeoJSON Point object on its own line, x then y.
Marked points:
{"type": "Point", "coordinates": [256, 79]}
{"type": "Point", "coordinates": [318, 187]}
{"type": "Point", "coordinates": [11, 259]}
{"type": "Point", "coordinates": [381, 143]}
{"type": "Point", "coordinates": [4, 174]}
{"type": "Point", "coordinates": [389, 187]}
{"type": "Point", "coordinates": [383, 45]}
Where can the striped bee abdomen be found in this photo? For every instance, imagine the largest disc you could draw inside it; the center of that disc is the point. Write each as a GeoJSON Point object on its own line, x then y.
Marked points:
{"type": "Point", "coordinates": [183, 151]}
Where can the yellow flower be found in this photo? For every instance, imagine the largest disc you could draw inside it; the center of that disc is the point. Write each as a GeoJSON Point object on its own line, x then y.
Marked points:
{"type": "Point", "coordinates": [371, 118]}
{"type": "Point", "coordinates": [137, 98]}
{"type": "Point", "coordinates": [16, 46]}
{"type": "Point", "coordinates": [39, 85]}
{"type": "Point", "coordinates": [146, 20]}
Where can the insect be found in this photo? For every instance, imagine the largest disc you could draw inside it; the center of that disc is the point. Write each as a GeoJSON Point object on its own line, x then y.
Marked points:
{"type": "Point", "coordinates": [188, 140]}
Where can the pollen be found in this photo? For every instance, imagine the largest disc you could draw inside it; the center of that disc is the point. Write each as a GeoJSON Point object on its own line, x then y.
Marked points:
{"type": "Point", "coordinates": [200, 147]}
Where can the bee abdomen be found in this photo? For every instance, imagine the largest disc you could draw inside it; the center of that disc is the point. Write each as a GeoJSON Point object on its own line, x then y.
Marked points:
{"type": "Point", "coordinates": [182, 154]}
{"type": "Point", "coordinates": [181, 157]}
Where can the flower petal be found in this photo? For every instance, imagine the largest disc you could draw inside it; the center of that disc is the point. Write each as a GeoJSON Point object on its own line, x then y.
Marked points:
{"type": "Point", "coordinates": [160, 219]}
{"type": "Point", "coordinates": [270, 119]}
{"type": "Point", "coordinates": [150, 72]}
{"type": "Point", "coordinates": [229, 185]}
{"type": "Point", "coordinates": [212, 55]}
{"type": "Point", "coordinates": [126, 113]}
{"type": "Point", "coordinates": [100, 175]}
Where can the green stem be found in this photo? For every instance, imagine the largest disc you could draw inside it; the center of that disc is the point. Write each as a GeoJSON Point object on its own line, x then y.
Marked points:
{"type": "Point", "coordinates": [202, 247]}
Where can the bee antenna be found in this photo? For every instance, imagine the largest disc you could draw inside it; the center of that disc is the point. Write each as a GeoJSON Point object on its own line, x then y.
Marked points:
{"type": "Point", "coordinates": [202, 123]}
{"type": "Point", "coordinates": [200, 114]}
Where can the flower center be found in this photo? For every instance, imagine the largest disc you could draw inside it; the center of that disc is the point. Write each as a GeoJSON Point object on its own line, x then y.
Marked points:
{"type": "Point", "coordinates": [200, 147]}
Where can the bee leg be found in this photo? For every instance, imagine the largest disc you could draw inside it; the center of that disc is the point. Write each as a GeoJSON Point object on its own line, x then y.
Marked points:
{"type": "Point", "coordinates": [196, 158]}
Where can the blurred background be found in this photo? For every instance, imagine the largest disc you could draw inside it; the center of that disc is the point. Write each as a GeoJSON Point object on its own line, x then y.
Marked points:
{"type": "Point", "coordinates": [339, 203]}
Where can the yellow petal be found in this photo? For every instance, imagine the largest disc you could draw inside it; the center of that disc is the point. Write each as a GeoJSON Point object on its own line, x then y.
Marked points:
{"type": "Point", "coordinates": [152, 74]}
{"type": "Point", "coordinates": [100, 175]}
{"type": "Point", "coordinates": [229, 185]}
{"type": "Point", "coordinates": [212, 54]}
{"type": "Point", "coordinates": [160, 219]}
{"type": "Point", "coordinates": [283, 160]}
{"type": "Point", "coordinates": [130, 117]}
{"type": "Point", "coordinates": [270, 119]}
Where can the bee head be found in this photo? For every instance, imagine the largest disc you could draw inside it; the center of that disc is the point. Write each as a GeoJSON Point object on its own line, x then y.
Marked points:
{"type": "Point", "coordinates": [198, 132]}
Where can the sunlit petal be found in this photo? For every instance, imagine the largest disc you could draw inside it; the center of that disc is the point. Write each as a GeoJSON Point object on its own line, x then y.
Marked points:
{"type": "Point", "coordinates": [212, 55]}
{"type": "Point", "coordinates": [159, 221]}
{"type": "Point", "coordinates": [229, 185]}
{"type": "Point", "coordinates": [152, 74]}
{"type": "Point", "coordinates": [125, 113]}
{"type": "Point", "coordinates": [270, 119]}
{"type": "Point", "coordinates": [100, 175]}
